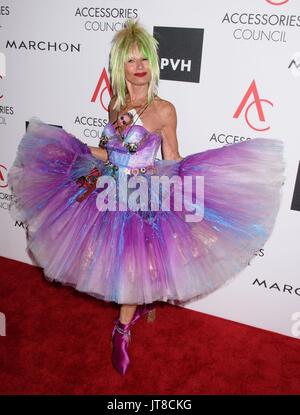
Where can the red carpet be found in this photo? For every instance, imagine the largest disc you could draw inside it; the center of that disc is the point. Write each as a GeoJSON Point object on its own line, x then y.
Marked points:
{"type": "Point", "coordinates": [58, 342]}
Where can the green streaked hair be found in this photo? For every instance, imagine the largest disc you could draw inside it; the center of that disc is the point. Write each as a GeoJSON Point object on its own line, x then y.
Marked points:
{"type": "Point", "coordinates": [122, 43]}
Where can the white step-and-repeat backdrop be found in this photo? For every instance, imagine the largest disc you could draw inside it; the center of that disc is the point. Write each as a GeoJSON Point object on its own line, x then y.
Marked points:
{"type": "Point", "coordinates": [232, 70]}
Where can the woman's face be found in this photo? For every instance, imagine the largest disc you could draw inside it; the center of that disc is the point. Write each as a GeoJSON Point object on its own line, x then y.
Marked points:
{"type": "Point", "coordinates": [137, 70]}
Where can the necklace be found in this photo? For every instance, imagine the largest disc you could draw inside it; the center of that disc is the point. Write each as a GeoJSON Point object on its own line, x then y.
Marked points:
{"type": "Point", "coordinates": [132, 147]}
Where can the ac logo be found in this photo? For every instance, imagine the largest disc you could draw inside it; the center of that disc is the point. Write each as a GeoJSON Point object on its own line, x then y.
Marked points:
{"type": "Point", "coordinates": [252, 90]}
{"type": "Point", "coordinates": [103, 86]}
{"type": "Point", "coordinates": [3, 176]}
{"type": "Point", "coordinates": [277, 3]}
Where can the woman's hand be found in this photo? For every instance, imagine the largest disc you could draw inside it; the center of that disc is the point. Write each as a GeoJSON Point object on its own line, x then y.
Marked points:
{"type": "Point", "coordinates": [99, 153]}
{"type": "Point", "coordinates": [169, 143]}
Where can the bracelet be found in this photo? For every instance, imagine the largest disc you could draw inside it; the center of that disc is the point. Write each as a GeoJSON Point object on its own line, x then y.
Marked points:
{"type": "Point", "coordinates": [103, 141]}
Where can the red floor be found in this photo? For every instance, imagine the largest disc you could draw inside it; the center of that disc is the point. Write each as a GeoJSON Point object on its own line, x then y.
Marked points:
{"type": "Point", "coordinates": [58, 342]}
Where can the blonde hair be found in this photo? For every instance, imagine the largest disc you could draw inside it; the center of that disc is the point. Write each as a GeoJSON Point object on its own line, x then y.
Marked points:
{"type": "Point", "coordinates": [132, 34]}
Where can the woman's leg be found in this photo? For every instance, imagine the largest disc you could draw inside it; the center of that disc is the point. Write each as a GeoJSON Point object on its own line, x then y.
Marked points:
{"type": "Point", "coordinates": [127, 312]}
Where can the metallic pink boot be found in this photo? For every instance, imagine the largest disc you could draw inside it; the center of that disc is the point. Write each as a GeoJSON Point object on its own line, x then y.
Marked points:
{"type": "Point", "coordinates": [121, 337]}
{"type": "Point", "coordinates": [143, 309]}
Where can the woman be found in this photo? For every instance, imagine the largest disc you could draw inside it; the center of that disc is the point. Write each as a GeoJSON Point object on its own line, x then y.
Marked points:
{"type": "Point", "coordinates": [136, 257]}
{"type": "Point", "coordinates": [139, 80]}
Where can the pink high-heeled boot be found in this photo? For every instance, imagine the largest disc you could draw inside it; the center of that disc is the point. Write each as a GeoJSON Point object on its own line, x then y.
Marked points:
{"type": "Point", "coordinates": [121, 337]}
{"type": "Point", "coordinates": [143, 309]}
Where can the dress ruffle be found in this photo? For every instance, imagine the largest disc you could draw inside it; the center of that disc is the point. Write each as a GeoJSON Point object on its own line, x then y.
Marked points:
{"type": "Point", "coordinates": [140, 257]}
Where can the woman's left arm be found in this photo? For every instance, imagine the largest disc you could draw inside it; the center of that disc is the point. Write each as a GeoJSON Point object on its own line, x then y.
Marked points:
{"type": "Point", "coordinates": [169, 138]}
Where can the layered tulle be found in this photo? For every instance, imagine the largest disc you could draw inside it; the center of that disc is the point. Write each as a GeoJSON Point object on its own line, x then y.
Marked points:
{"type": "Point", "coordinates": [140, 257]}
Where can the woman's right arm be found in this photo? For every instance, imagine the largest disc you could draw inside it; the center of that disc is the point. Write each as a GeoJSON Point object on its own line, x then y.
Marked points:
{"type": "Point", "coordinates": [98, 152]}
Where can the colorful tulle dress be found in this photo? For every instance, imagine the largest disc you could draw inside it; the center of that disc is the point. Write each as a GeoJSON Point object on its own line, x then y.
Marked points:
{"type": "Point", "coordinates": [145, 254]}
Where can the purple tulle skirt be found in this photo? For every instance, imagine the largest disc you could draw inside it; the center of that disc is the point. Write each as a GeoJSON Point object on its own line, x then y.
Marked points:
{"type": "Point", "coordinates": [133, 257]}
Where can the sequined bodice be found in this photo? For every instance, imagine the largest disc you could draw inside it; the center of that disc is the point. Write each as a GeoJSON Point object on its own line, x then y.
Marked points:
{"type": "Point", "coordinates": [138, 149]}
